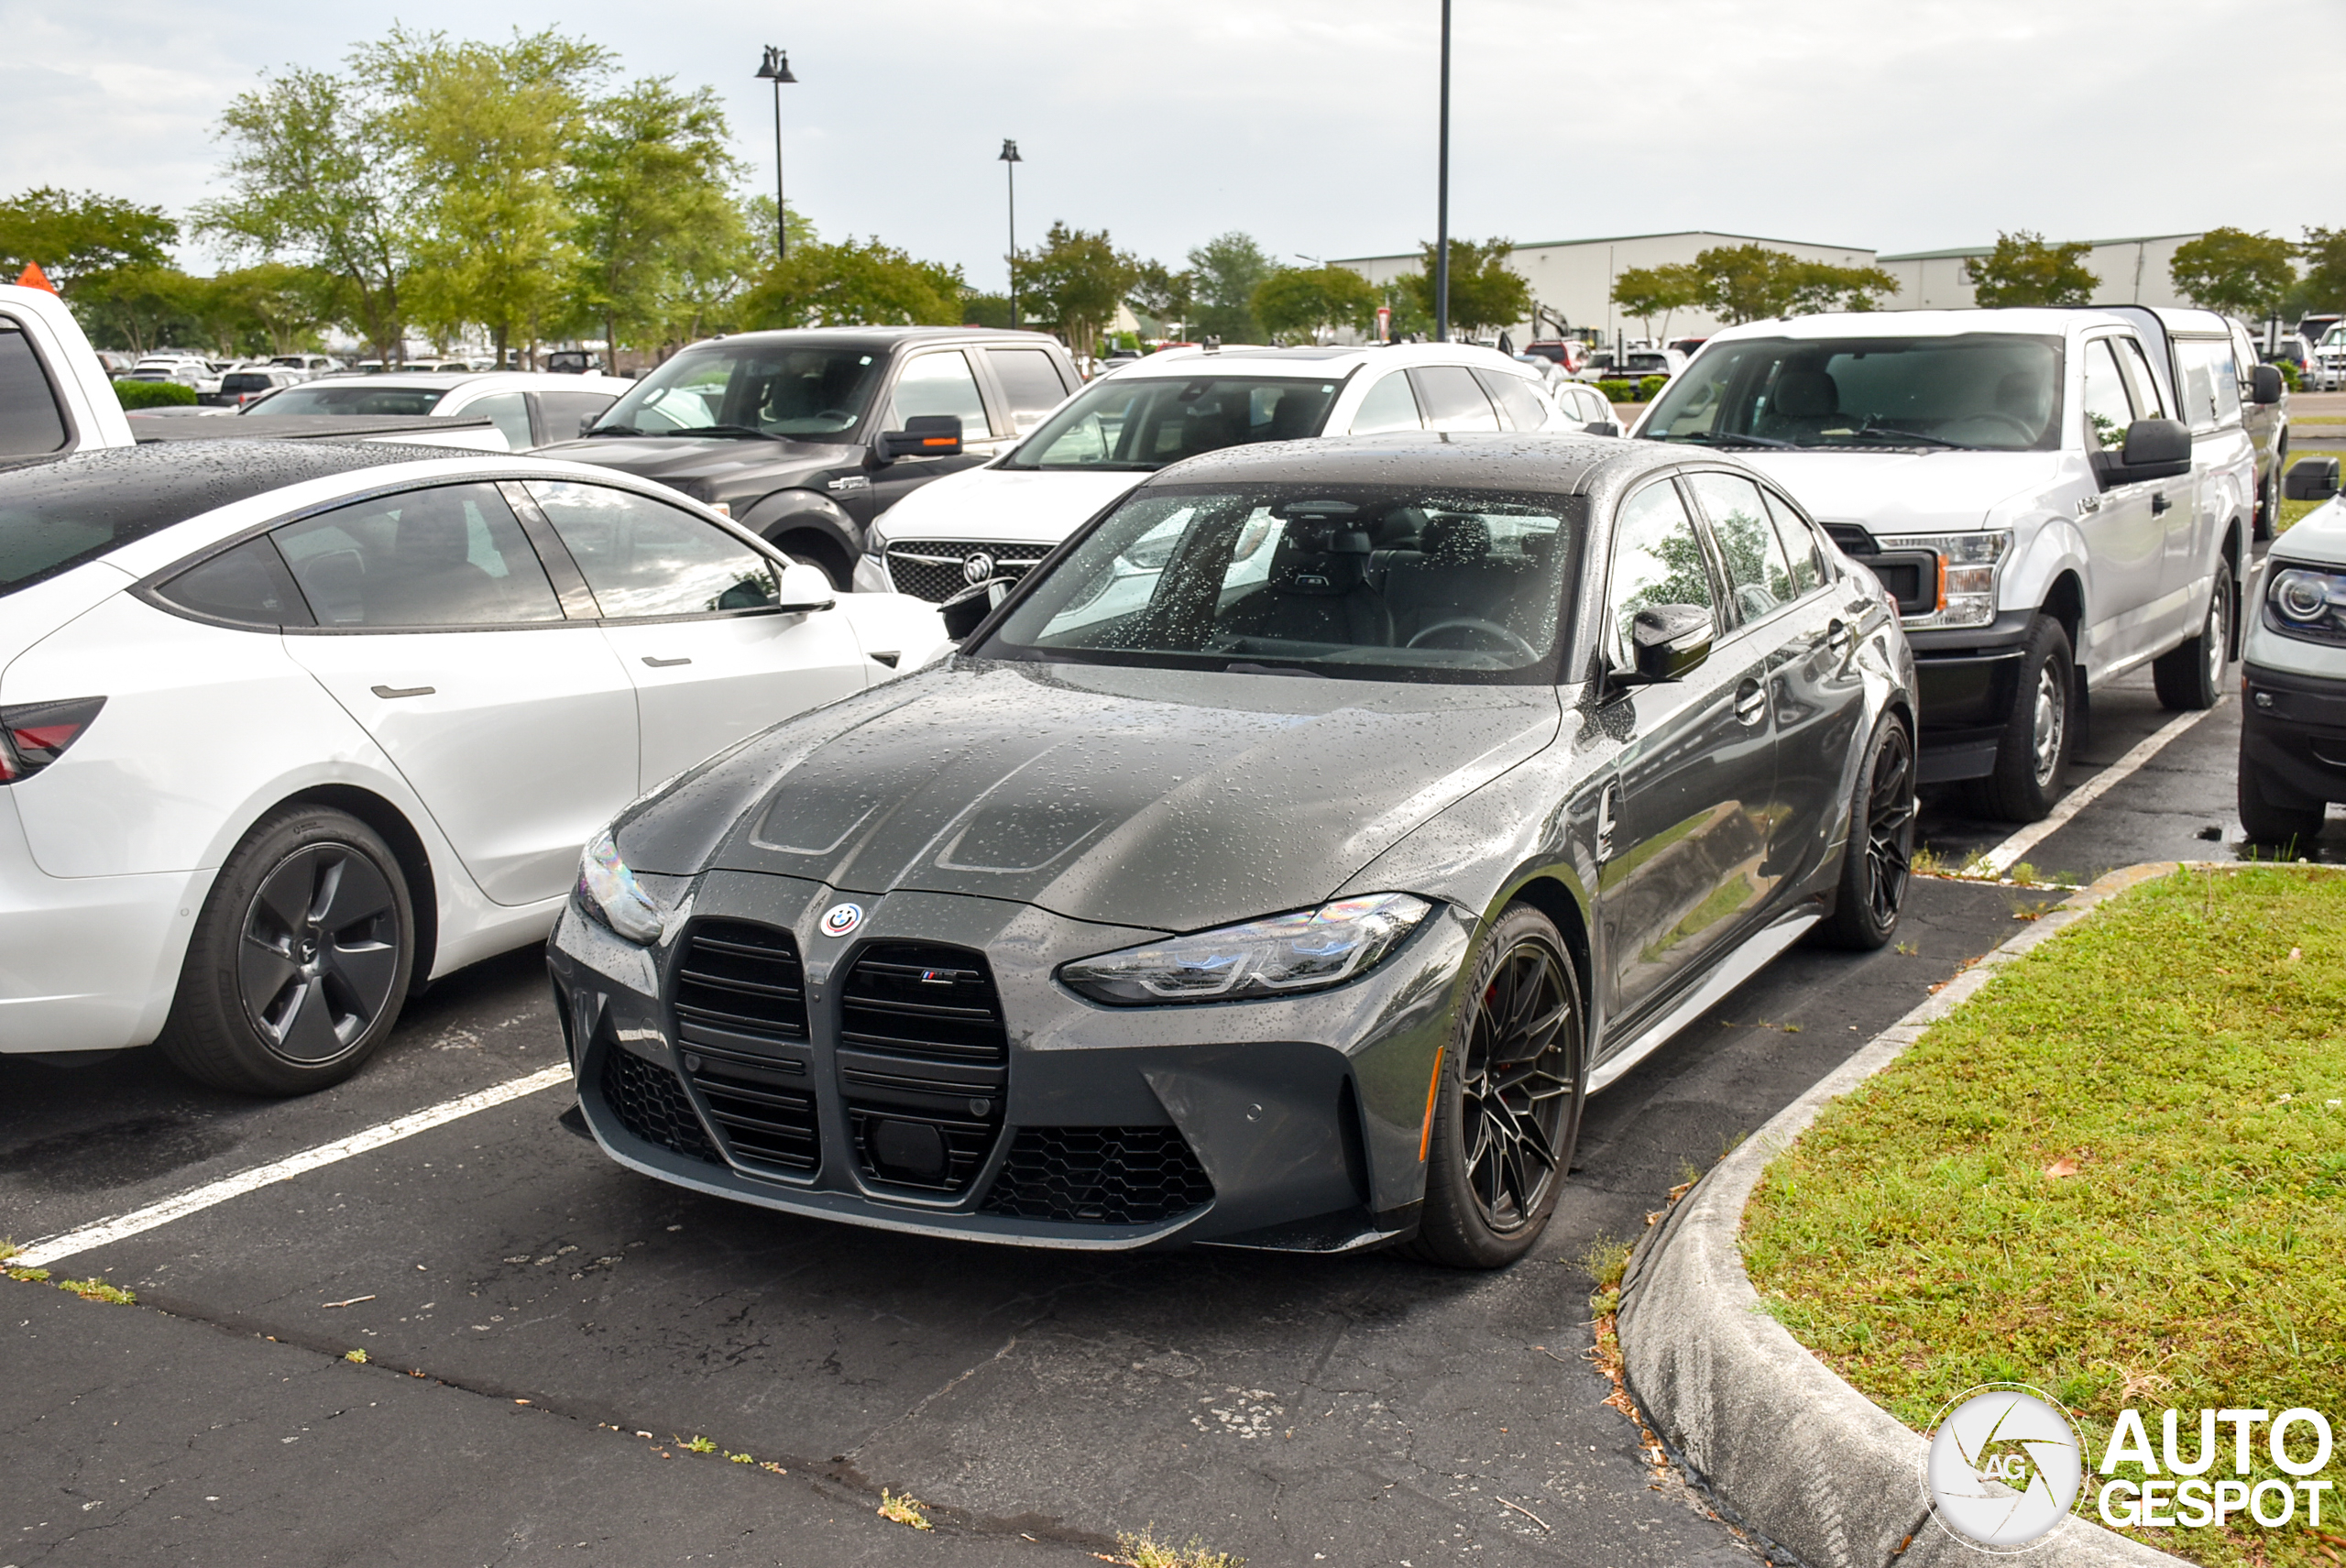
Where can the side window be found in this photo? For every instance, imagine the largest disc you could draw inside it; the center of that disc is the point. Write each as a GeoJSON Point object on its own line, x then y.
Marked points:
{"type": "Point", "coordinates": [2108, 413]}
{"type": "Point", "coordinates": [248, 585]}
{"type": "Point", "coordinates": [1656, 560]}
{"type": "Point", "coordinates": [643, 558]}
{"type": "Point", "coordinates": [1030, 381]}
{"type": "Point", "coordinates": [30, 421]}
{"type": "Point", "coordinates": [1758, 574]}
{"type": "Point", "coordinates": [450, 555]}
{"type": "Point", "coordinates": [509, 411]}
{"type": "Point", "coordinates": [1801, 546]}
{"type": "Point", "coordinates": [1390, 405]}
{"type": "Point", "coordinates": [561, 412]}
{"type": "Point", "coordinates": [941, 384]}
{"type": "Point", "coordinates": [1452, 399]}
{"type": "Point", "coordinates": [2148, 403]}
{"type": "Point", "coordinates": [2211, 382]}
{"type": "Point", "coordinates": [1515, 398]}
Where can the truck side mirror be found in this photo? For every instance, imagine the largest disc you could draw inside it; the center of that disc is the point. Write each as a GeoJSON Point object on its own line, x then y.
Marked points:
{"type": "Point", "coordinates": [2263, 385]}
{"type": "Point", "coordinates": [2311, 479]}
{"type": "Point", "coordinates": [2154, 449]}
{"type": "Point", "coordinates": [924, 435]}
{"type": "Point", "coordinates": [1670, 640]}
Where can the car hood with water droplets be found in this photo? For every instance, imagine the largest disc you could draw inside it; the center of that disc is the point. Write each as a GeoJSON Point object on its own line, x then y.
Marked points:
{"type": "Point", "coordinates": [1176, 800]}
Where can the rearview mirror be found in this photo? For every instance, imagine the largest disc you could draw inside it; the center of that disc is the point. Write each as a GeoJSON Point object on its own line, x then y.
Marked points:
{"type": "Point", "coordinates": [924, 435]}
{"type": "Point", "coordinates": [2154, 449]}
{"type": "Point", "coordinates": [1670, 640]}
{"type": "Point", "coordinates": [966, 611]}
{"type": "Point", "coordinates": [2263, 384]}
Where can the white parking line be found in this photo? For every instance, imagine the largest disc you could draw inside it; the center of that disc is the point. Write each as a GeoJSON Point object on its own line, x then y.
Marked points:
{"type": "Point", "coordinates": [2000, 859]}
{"type": "Point", "coordinates": [40, 1254]}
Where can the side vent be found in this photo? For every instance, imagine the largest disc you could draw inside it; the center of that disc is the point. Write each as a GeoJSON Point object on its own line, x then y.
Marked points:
{"type": "Point", "coordinates": [651, 1103]}
{"type": "Point", "coordinates": [924, 1062]}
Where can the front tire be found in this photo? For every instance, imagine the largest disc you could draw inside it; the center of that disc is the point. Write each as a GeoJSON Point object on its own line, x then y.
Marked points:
{"type": "Point", "coordinates": [2274, 817]}
{"type": "Point", "coordinates": [301, 958]}
{"type": "Point", "coordinates": [2189, 677]}
{"type": "Point", "coordinates": [1506, 1098]}
{"type": "Point", "coordinates": [2034, 754]}
{"type": "Point", "coordinates": [1875, 866]}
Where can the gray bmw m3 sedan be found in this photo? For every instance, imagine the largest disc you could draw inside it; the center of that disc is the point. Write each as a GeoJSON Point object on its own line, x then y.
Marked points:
{"type": "Point", "coordinates": [1280, 864]}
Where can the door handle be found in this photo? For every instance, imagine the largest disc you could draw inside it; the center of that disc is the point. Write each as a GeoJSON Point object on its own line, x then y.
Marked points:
{"type": "Point", "coordinates": [387, 692]}
{"type": "Point", "coordinates": [665, 663]}
{"type": "Point", "coordinates": [1839, 636]}
{"type": "Point", "coordinates": [2159, 503]}
{"type": "Point", "coordinates": [1750, 702]}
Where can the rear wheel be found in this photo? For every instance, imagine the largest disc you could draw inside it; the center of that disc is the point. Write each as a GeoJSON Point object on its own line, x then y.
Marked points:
{"type": "Point", "coordinates": [2034, 752]}
{"type": "Point", "coordinates": [299, 961]}
{"type": "Point", "coordinates": [1875, 865]}
{"type": "Point", "coordinates": [2273, 817]}
{"type": "Point", "coordinates": [2268, 494]}
{"type": "Point", "coordinates": [1506, 1098]}
{"type": "Point", "coordinates": [2189, 677]}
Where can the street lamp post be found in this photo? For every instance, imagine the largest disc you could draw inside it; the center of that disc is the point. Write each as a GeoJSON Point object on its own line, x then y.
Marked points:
{"type": "Point", "coordinates": [1442, 200]}
{"type": "Point", "coordinates": [1009, 160]}
{"type": "Point", "coordinates": [776, 70]}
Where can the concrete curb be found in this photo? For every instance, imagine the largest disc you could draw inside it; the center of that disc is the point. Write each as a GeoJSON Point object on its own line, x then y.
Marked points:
{"type": "Point", "coordinates": [1793, 1452]}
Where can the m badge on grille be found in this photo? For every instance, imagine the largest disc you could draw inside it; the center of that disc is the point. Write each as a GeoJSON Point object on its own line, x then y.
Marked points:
{"type": "Point", "coordinates": [978, 567]}
{"type": "Point", "coordinates": [840, 919]}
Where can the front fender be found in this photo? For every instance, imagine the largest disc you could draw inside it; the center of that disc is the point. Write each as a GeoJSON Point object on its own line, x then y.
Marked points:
{"type": "Point", "coordinates": [2052, 547]}
{"type": "Point", "coordinates": [794, 510]}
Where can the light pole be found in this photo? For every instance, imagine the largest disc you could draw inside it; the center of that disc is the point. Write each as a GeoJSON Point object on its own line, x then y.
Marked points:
{"type": "Point", "coordinates": [1442, 200]}
{"type": "Point", "coordinates": [1009, 160]}
{"type": "Point", "coordinates": [776, 70]}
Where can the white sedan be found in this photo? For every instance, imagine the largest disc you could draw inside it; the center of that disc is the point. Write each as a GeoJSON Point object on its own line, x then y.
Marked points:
{"type": "Point", "coordinates": [288, 728]}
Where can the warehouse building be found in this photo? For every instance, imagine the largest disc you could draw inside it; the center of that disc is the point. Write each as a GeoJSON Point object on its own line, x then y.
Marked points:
{"type": "Point", "coordinates": [2132, 272]}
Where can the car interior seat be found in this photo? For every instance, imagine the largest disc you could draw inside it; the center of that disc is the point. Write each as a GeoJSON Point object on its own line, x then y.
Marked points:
{"type": "Point", "coordinates": [430, 578]}
{"type": "Point", "coordinates": [1805, 401]}
{"type": "Point", "coordinates": [1319, 589]}
{"type": "Point", "coordinates": [1454, 575]}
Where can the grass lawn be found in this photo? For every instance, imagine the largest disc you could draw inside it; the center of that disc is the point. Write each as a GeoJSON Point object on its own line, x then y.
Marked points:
{"type": "Point", "coordinates": [2116, 1174]}
{"type": "Point", "coordinates": [2290, 512]}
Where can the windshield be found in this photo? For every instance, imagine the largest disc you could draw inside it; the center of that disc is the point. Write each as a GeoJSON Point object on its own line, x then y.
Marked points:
{"type": "Point", "coordinates": [769, 390]}
{"type": "Point", "coordinates": [1991, 391]}
{"type": "Point", "coordinates": [1142, 423]}
{"type": "Point", "coordinates": [350, 398]}
{"type": "Point", "coordinates": [1373, 584]}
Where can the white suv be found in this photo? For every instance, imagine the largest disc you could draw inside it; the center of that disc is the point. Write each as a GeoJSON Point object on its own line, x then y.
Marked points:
{"type": "Point", "coordinates": [2054, 497]}
{"type": "Point", "coordinates": [999, 520]}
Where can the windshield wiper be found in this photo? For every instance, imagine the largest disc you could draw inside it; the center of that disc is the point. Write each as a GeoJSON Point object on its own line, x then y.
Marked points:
{"type": "Point", "coordinates": [720, 429]}
{"type": "Point", "coordinates": [1241, 667]}
{"type": "Point", "coordinates": [614, 430]}
{"type": "Point", "coordinates": [1886, 434]}
{"type": "Point", "coordinates": [1727, 438]}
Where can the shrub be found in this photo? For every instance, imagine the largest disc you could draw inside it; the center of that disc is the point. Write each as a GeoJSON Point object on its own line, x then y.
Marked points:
{"type": "Point", "coordinates": [1650, 388]}
{"type": "Point", "coordinates": [1618, 392]}
{"type": "Point", "coordinates": [153, 394]}
{"type": "Point", "coordinates": [2290, 378]}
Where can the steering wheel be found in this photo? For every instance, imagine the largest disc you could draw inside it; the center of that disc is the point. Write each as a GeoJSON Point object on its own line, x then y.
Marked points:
{"type": "Point", "coordinates": [1513, 644]}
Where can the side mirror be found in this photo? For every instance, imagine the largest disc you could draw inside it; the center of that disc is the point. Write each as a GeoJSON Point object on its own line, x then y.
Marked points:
{"type": "Point", "coordinates": [1603, 427]}
{"type": "Point", "coordinates": [586, 423]}
{"type": "Point", "coordinates": [806, 588]}
{"type": "Point", "coordinates": [2311, 479]}
{"type": "Point", "coordinates": [966, 611]}
{"type": "Point", "coordinates": [1670, 640]}
{"type": "Point", "coordinates": [2263, 385]}
{"type": "Point", "coordinates": [2154, 449]}
{"type": "Point", "coordinates": [924, 435]}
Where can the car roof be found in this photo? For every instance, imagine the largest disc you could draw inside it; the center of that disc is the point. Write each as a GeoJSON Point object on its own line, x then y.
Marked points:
{"type": "Point", "coordinates": [1327, 360]}
{"type": "Point", "coordinates": [2050, 321]}
{"type": "Point", "coordinates": [882, 336]}
{"type": "Point", "coordinates": [1500, 461]}
{"type": "Point", "coordinates": [546, 380]}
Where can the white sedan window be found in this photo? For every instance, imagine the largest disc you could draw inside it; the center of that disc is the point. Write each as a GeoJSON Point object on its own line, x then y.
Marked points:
{"type": "Point", "coordinates": [449, 556]}
{"type": "Point", "coordinates": [643, 558]}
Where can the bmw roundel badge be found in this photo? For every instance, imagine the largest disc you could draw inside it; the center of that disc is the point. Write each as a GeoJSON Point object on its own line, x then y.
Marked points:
{"type": "Point", "coordinates": [840, 919]}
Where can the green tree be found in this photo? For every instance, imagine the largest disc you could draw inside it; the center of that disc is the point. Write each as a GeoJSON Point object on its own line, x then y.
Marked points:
{"type": "Point", "coordinates": [649, 188]}
{"type": "Point", "coordinates": [315, 177]}
{"type": "Point", "coordinates": [1161, 295]}
{"type": "Point", "coordinates": [854, 283]}
{"type": "Point", "coordinates": [985, 309]}
{"type": "Point", "coordinates": [141, 309]}
{"type": "Point", "coordinates": [2324, 252]}
{"type": "Point", "coordinates": [1307, 301]}
{"type": "Point", "coordinates": [271, 307]}
{"type": "Point", "coordinates": [2023, 270]}
{"type": "Point", "coordinates": [1650, 292]}
{"type": "Point", "coordinates": [1225, 271]}
{"type": "Point", "coordinates": [488, 130]}
{"type": "Point", "coordinates": [2235, 271]}
{"type": "Point", "coordinates": [77, 237]}
{"type": "Point", "coordinates": [1484, 292]}
{"type": "Point", "coordinates": [1075, 279]}
{"type": "Point", "coordinates": [1750, 283]}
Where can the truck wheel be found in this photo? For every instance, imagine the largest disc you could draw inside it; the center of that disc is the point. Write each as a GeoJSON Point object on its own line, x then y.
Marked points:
{"type": "Point", "coordinates": [1874, 865]}
{"type": "Point", "coordinates": [2033, 753]}
{"type": "Point", "coordinates": [2268, 820]}
{"type": "Point", "coordinates": [299, 959]}
{"type": "Point", "coordinates": [2268, 494]}
{"type": "Point", "coordinates": [2190, 676]}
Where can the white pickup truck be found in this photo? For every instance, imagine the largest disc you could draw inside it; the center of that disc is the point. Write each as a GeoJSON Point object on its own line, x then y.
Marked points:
{"type": "Point", "coordinates": [2054, 497]}
{"type": "Point", "coordinates": [54, 395]}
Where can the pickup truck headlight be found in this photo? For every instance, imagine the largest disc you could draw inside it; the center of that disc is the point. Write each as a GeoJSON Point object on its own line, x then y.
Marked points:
{"type": "Point", "coordinates": [1275, 956]}
{"type": "Point", "coordinates": [609, 892]}
{"type": "Point", "coordinates": [1969, 563]}
{"type": "Point", "coordinates": [2307, 602]}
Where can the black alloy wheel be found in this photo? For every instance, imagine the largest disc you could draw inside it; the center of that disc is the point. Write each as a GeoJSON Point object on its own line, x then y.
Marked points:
{"type": "Point", "coordinates": [1877, 862]}
{"type": "Point", "coordinates": [1507, 1101]}
{"type": "Point", "coordinates": [299, 961]}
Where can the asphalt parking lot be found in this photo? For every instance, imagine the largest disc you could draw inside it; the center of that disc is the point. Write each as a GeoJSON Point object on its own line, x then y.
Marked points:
{"type": "Point", "coordinates": [545, 1333]}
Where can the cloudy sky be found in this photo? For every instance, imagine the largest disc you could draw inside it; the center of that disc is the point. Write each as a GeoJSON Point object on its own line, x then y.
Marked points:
{"type": "Point", "coordinates": [1310, 123]}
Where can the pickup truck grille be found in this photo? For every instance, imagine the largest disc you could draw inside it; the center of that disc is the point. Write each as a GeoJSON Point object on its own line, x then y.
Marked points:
{"type": "Point", "coordinates": [924, 1062]}
{"type": "Point", "coordinates": [932, 569]}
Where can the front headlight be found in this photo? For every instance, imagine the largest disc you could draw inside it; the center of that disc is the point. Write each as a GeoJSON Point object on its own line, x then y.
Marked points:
{"type": "Point", "coordinates": [612, 895]}
{"type": "Point", "coordinates": [1275, 956]}
{"type": "Point", "coordinates": [1968, 565]}
{"type": "Point", "coordinates": [2305, 601]}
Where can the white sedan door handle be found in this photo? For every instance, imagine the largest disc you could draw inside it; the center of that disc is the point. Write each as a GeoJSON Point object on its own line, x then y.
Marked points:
{"type": "Point", "coordinates": [664, 663]}
{"type": "Point", "coordinates": [387, 692]}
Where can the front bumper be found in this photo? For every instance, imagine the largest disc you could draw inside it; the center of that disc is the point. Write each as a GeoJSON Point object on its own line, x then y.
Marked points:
{"type": "Point", "coordinates": [2293, 729]}
{"type": "Point", "coordinates": [1292, 1124]}
{"type": "Point", "coordinates": [1966, 682]}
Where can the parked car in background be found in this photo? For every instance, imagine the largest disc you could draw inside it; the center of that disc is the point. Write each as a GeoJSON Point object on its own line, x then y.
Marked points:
{"type": "Point", "coordinates": [1566, 353]}
{"type": "Point", "coordinates": [116, 362]}
{"type": "Point", "coordinates": [183, 369]}
{"type": "Point", "coordinates": [1595, 366]}
{"type": "Point", "coordinates": [2264, 415]}
{"type": "Point", "coordinates": [55, 395]}
{"type": "Point", "coordinates": [1582, 405]}
{"type": "Point", "coordinates": [308, 364]}
{"type": "Point", "coordinates": [806, 436]}
{"type": "Point", "coordinates": [442, 674]}
{"type": "Point", "coordinates": [1686, 345]}
{"type": "Point", "coordinates": [240, 387]}
{"type": "Point", "coordinates": [2293, 682]}
{"type": "Point", "coordinates": [1000, 518]}
{"type": "Point", "coordinates": [1108, 931]}
{"type": "Point", "coordinates": [2329, 373]}
{"type": "Point", "coordinates": [1636, 364]}
{"type": "Point", "coordinates": [2054, 497]}
{"type": "Point", "coordinates": [573, 362]}
{"type": "Point", "coordinates": [531, 409]}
